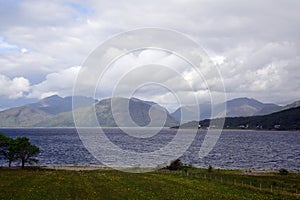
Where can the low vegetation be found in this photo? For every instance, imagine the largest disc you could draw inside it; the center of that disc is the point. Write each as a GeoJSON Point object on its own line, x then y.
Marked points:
{"type": "Point", "coordinates": [175, 165]}
{"type": "Point", "coordinates": [39, 183]}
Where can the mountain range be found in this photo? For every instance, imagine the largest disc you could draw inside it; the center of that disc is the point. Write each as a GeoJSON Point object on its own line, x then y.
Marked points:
{"type": "Point", "coordinates": [31, 114]}
{"type": "Point", "coordinates": [238, 107]}
{"type": "Point", "coordinates": [55, 111]}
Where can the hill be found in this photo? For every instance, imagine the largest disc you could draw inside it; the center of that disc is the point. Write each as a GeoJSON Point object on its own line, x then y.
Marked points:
{"type": "Point", "coordinates": [56, 111]}
{"type": "Point", "coordinates": [56, 104]}
{"type": "Point", "coordinates": [292, 105]}
{"type": "Point", "coordinates": [31, 114]}
{"type": "Point", "coordinates": [288, 119]}
{"type": "Point", "coordinates": [239, 107]}
{"type": "Point", "coordinates": [138, 114]}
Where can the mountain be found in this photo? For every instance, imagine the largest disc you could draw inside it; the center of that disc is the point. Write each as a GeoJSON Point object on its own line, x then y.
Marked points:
{"type": "Point", "coordinates": [248, 107]}
{"type": "Point", "coordinates": [288, 119]}
{"type": "Point", "coordinates": [189, 113]}
{"type": "Point", "coordinates": [234, 108]}
{"type": "Point", "coordinates": [128, 112]}
{"type": "Point", "coordinates": [23, 116]}
{"type": "Point", "coordinates": [45, 109]}
{"type": "Point", "coordinates": [142, 113]}
{"type": "Point", "coordinates": [56, 104]}
{"type": "Point", "coordinates": [292, 105]}
{"type": "Point", "coordinates": [56, 111]}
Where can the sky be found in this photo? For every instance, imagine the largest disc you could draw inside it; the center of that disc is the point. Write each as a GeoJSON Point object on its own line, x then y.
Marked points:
{"type": "Point", "coordinates": [255, 45]}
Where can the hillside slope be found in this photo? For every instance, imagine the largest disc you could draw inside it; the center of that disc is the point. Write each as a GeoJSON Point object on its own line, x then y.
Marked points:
{"type": "Point", "coordinates": [42, 111]}
{"type": "Point", "coordinates": [137, 110]}
{"type": "Point", "coordinates": [239, 107]}
{"type": "Point", "coordinates": [288, 119]}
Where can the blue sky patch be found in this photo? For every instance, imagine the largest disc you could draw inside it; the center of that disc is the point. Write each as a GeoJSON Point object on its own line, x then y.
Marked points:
{"type": "Point", "coordinates": [79, 8]}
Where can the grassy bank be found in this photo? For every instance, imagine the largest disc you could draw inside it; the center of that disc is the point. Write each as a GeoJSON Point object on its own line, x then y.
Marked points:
{"type": "Point", "coordinates": [110, 184]}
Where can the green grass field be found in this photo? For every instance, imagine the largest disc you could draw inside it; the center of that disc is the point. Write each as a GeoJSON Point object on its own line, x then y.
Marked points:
{"type": "Point", "coordinates": [36, 183]}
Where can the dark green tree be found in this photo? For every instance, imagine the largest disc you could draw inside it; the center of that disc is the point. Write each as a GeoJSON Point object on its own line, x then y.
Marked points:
{"type": "Point", "coordinates": [24, 151]}
{"type": "Point", "coordinates": [5, 153]}
{"type": "Point", "coordinates": [3, 143]}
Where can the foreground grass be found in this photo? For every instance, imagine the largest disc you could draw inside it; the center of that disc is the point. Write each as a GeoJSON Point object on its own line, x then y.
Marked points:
{"type": "Point", "coordinates": [111, 184]}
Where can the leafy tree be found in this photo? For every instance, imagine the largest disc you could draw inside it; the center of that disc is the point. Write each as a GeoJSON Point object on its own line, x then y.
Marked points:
{"type": "Point", "coordinates": [5, 153]}
{"type": "Point", "coordinates": [24, 151]}
{"type": "Point", "coordinates": [18, 149]}
{"type": "Point", "coordinates": [3, 144]}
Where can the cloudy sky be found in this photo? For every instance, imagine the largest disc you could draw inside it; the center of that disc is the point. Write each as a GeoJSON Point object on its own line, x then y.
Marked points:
{"type": "Point", "coordinates": [255, 44]}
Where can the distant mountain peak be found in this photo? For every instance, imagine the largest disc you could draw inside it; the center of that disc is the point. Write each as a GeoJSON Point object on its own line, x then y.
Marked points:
{"type": "Point", "coordinates": [292, 105]}
{"type": "Point", "coordinates": [244, 100]}
{"type": "Point", "coordinates": [53, 97]}
{"type": "Point", "coordinates": [242, 106]}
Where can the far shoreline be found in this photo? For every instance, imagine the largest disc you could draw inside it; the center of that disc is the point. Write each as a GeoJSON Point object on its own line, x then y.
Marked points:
{"type": "Point", "coordinates": [246, 171]}
{"type": "Point", "coordinates": [171, 128]}
{"type": "Point", "coordinates": [233, 129]}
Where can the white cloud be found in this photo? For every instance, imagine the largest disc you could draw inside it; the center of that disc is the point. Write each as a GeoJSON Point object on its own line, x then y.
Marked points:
{"type": "Point", "coordinates": [135, 69]}
{"type": "Point", "coordinates": [256, 44]}
{"type": "Point", "coordinates": [5, 46]}
{"type": "Point", "coordinates": [60, 83]}
{"type": "Point", "coordinates": [13, 88]}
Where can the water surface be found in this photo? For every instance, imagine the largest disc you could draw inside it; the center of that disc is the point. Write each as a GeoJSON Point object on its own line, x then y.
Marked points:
{"type": "Point", "coordinates": [234, 149]}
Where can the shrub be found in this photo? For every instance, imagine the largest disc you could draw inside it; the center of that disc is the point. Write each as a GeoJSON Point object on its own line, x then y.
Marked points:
{"type": "Point", "coordinates": [283, 171]}
{"type": "Point", "coordinates": [210, 168]}
{"type": "Point", "coordinates": [175, 165]}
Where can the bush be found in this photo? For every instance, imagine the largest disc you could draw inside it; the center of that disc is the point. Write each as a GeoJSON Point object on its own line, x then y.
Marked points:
{"type": "Point", "coordinates": [175, 165]}
{"type": "Point", "coordinates": [283, 172]}
{"type": "Point", "coordinates": [210, 168]}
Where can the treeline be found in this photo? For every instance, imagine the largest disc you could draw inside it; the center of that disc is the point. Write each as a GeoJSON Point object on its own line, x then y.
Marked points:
{"type": "Point", "coordinates": [18, 150]}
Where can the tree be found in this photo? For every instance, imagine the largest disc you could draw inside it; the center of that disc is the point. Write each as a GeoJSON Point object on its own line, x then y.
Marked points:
{"type": "Point", "coordinates": [24, 151]}
{"type": "Point", "coordinates": [10, 154]}
{"type": "Point", "coordinates": [18, 149]}
{"type": "Point", "coordinates": [4, 140]}
{"type": "Point", "coordinates": [3, 144]}
{"type": "Point", "coordinates": [5, 153]}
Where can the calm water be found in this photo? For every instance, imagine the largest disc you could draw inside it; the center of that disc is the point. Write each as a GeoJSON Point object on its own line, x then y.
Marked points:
{"type": "Point", "coordinates": [234, 149]}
